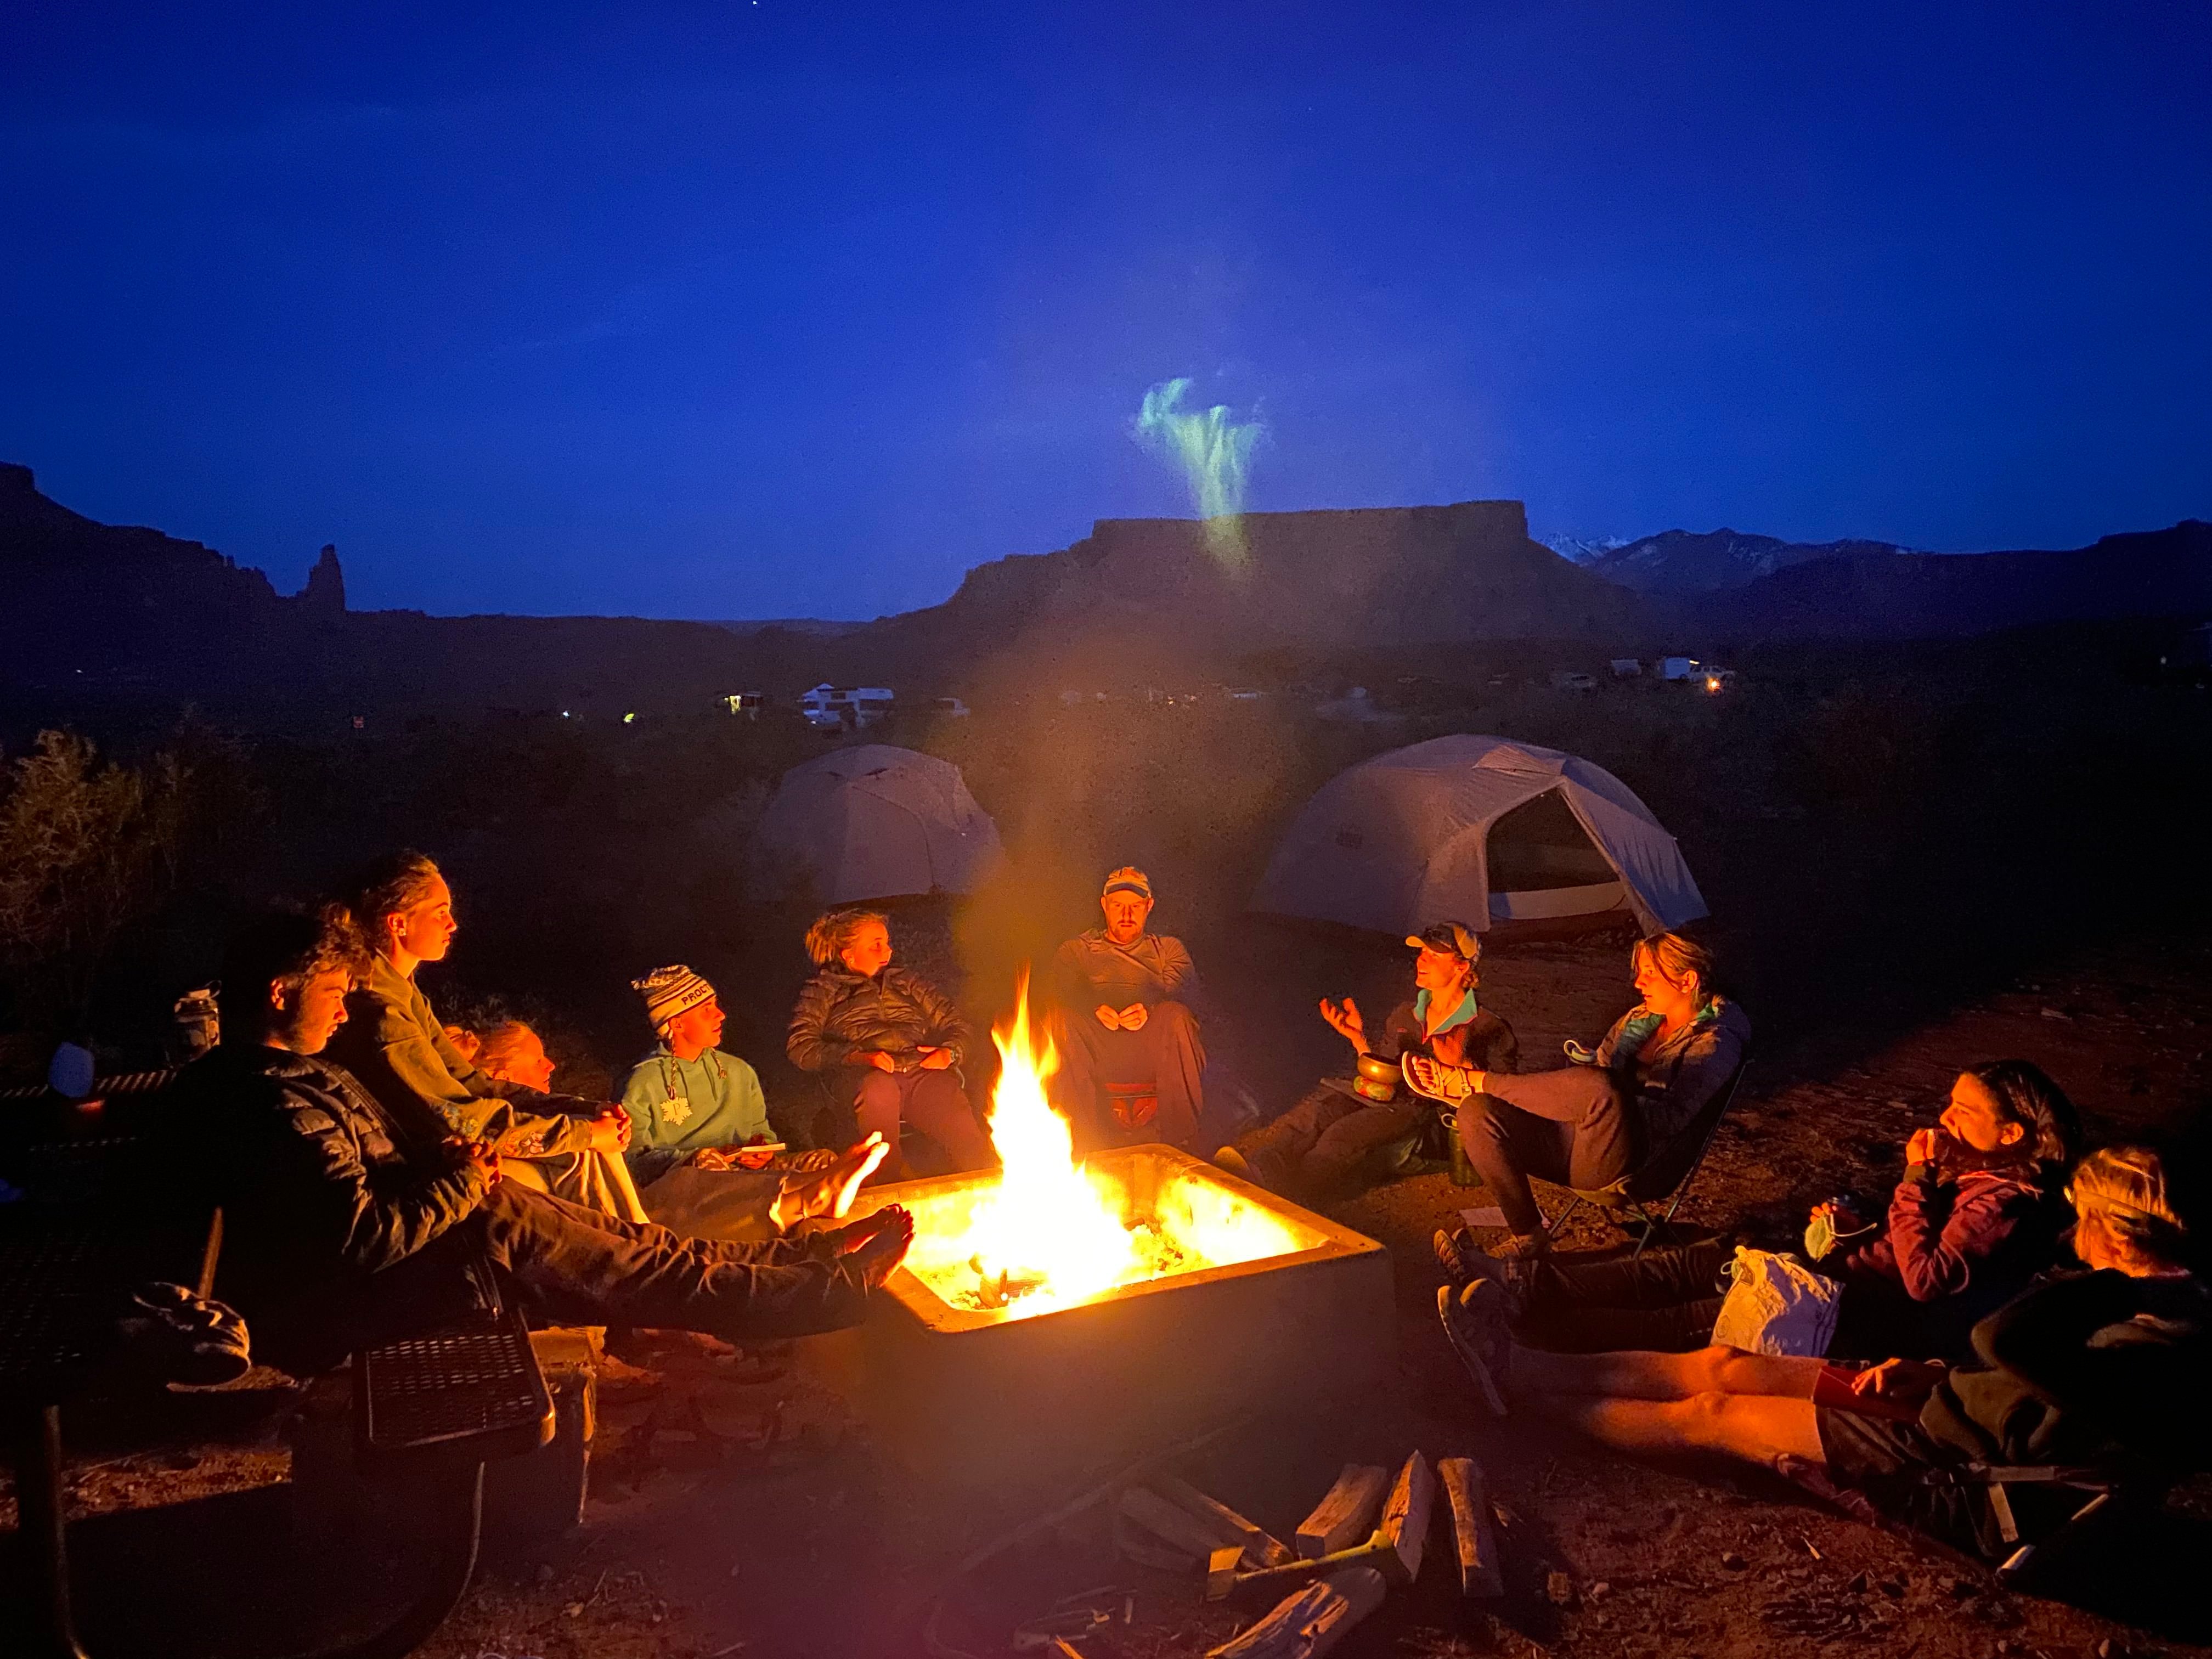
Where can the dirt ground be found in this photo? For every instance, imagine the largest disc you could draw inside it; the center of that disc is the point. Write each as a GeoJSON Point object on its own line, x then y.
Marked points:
{"type": "Point", "coordinates": [762, 1523]}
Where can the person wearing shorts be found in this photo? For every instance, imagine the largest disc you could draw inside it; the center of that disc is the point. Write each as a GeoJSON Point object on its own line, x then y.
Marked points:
{"type": "Point", "coordinates": [2085, 1369]}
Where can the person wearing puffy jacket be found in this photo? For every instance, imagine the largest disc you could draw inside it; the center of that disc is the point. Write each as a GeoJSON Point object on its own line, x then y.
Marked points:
{"type": "Point", "coordinates": [344, 1227]}
{"type": "Point", "coordinates": [1974, 1220]}
{"type": "Point", "coordinates": [887, 1040]}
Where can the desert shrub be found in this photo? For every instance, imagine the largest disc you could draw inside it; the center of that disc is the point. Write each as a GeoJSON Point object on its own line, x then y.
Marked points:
{"type": "Point", "coordinates": [86, 849]}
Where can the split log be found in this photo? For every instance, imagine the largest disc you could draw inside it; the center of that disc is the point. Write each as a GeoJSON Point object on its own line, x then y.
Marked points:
{"type": "Point", "coordinates": [1260, 1549]}
{"type": "Point", "coordinates": [1395, 1548]}
{"type": "Point", "coordinates": [1180, 1528]}
{"type": "Point", "coordinates": [1222, 1569]}
{"type": "Point", "coordinates": [1404, 1523]}
{"type": "Point", "coordinates": [1133, 1543]}
{"type": "Point", "coordinates": [1478, 1569]}
{"type": "Point", "coordinates": [1346, 1513]}
{"type": "Point", "coordinates": [1309, 1624]}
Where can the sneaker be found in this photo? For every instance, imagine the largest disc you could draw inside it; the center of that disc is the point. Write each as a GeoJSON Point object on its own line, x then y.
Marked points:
{"type": "Point", "coordinates": [1514, 1275]}
{"type": "Point", "coordinates": [1454, 1250]}
{"type": "Point", "coordinates": [1522, 1247]}
{"type": "Point", "coordinates": [1474, 1322]}
{"type": "Point", "coordinates": [173, 1336]}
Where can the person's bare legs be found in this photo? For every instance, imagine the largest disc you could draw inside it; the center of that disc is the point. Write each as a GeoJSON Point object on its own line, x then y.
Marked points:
{"type": "Point", "coordinates": [1756, 1429]}
{"type": "Point", "coordinates": [1536, 1374]}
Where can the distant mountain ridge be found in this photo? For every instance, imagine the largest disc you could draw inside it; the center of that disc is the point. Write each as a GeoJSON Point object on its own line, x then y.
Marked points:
{"type": "Point", "coordinates": [1580, 550]}
{"type": "Point", "coordinates": [1891, 594]}
{"type": "Point", "coordinates": [1686, 562]}
{"type": "Point", "coordinates": [94, 607]}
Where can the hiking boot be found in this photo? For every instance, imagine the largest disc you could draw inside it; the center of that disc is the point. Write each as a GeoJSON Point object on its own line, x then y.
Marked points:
{"type": "Point", "coordinates": [1514, 1275]}
{"type": "Point", "coordinates": [173, 1336]}
{"type": "Point", "coordinates": [1475, 1320]}
{"type": "Point", "coordinates": [1228, 1158]}
{"type": "Point", "coordinates": [1523, 1247]}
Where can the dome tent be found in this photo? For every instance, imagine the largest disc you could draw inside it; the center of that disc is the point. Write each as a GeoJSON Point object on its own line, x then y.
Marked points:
{"type": "Point", "coordinates": [1481, 830]}
{"type": "Point", "coordinates": [872, 822]}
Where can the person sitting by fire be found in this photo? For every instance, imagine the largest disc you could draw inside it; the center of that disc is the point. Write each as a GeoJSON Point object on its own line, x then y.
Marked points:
{"type": "Point", "coordinates": [1975, 1218]}
{"type": "Point", "coordinates": [1590, 1122]}
{"type": "Point", "coordinates": [343, 1227]}
{"type": "Point", "coordinates": [704, 1155]}
{"type": "Point", "coordinates": [1132, 1068]}
{"type": "Point", "coordinates": [1327, 1145]}
{"type": "Point", "coordinates": [888, 1042]}
{"type": "Point", "coordinates": [398, 1048]}
{"type": "Point", "coordinates": [2094, 1369]}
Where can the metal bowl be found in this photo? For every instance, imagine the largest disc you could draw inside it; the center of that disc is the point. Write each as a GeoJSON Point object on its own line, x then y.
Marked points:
{"type": "Point", "coordinates": [1377, 1080]}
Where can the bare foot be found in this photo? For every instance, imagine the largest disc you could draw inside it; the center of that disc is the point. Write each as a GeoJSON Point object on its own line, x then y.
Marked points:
{"type": "Point", "coordinates": [877, 1243]}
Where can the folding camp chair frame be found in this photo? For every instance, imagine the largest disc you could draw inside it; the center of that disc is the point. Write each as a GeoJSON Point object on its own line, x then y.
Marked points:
{"type": "Point", "coordinates": [1620, 1195]}
{"type": "Point", "coordinates": [2105, 1488]}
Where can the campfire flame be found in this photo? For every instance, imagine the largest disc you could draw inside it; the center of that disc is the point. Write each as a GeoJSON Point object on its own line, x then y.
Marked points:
{"type": "Point", "coordinates": [1046, 1233]}
{"type": "Point", "coordinates": [1043, 1232]}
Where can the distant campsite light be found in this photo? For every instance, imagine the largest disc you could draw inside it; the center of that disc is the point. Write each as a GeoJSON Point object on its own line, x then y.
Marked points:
{"type": "Point", "coordinates": [1712, 682]}
{"type": "Point", "coordinates": [630, 718]}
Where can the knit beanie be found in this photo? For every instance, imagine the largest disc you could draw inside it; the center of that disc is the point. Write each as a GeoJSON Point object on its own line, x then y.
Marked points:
{"type": "Point", "coordinates": [670, 991]}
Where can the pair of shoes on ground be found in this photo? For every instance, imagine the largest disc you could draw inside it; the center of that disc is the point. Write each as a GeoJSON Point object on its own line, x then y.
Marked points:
{"type": "Point", "coordinates": [1512, 1268]}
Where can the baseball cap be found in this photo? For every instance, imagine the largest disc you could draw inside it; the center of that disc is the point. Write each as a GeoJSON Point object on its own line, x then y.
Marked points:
{"type": "Point", "coordinates": [1454, 938]}
{"type": "Point", "coordinates": [1127, 879]}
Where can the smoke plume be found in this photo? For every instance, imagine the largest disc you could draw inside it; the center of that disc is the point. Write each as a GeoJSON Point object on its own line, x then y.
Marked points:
{"type": "Point", "coordinates": [1215, 454]}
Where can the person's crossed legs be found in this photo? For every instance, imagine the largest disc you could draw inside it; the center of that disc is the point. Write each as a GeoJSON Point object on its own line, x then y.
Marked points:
{"type": "Point", "coordinates": [1718, 1400]}
{"type": "Point", "coordinates": [1572, 1126]}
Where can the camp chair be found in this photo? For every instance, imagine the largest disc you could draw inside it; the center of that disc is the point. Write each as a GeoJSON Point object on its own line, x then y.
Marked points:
{"type": "Point", "coordinates": [1666, 1173]}
{"type": "Point", "coordinates": [2107, 1490]}
{"type": "Point", "coordinates": [432, 1407]}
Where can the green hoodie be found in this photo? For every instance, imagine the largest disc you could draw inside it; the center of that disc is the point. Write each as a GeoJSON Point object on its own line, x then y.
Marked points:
{"type": "Point", "coordinates": [678, 1107]}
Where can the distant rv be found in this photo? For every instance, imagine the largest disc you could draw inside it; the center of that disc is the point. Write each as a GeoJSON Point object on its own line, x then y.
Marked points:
{"type": "Point", "coordinates": [845, 709]}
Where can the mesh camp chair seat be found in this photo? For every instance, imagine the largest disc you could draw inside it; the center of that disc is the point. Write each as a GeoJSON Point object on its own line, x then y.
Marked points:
{"type": "Point", "coordinates": [1632, 1202]}
{"type": "Point", "coordinates": [436, 1405]}
{"type": "Point", "coordinates": [473, 1386]}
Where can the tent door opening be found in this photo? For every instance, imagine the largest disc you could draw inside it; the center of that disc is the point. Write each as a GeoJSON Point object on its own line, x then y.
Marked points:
{"type": "Point", "coordinates": [1543, 864]}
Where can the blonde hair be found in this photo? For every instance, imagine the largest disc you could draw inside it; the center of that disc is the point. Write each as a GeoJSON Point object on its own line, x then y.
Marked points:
{"type": "Point", "coordinates": [834, 931]}
{"type": "Point", "coordinates": [1677, 957]}
{"type": "Point", "coordinates": [390, 886]}
{"type": "Point", "coordinates": [2125, 1187]}
{"type": "Point", "coordinates": [496, 1047]}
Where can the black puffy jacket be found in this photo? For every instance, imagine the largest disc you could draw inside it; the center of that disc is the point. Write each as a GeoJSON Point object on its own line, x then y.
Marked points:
{"type": "Point", "coordinates": [318, 1192]}
{"type": "Point", "coordinates": [842, 1015]}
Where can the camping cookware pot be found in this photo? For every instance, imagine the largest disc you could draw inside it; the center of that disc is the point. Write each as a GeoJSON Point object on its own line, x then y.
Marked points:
{"type": "Point", "coordinates": [1377, 1080]}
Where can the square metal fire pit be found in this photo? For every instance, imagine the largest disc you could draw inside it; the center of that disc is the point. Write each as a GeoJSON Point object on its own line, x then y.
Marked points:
{"type": "Point", "coordinates": [982, 1396]}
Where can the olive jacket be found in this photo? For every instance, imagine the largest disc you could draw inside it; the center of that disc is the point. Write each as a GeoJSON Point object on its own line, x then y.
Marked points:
{"type": "Point", "coordinates": [397, 1048]}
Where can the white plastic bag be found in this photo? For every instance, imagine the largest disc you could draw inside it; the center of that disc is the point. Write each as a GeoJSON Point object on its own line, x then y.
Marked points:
{"type": "Point", "coordinates": [1777, 1304]}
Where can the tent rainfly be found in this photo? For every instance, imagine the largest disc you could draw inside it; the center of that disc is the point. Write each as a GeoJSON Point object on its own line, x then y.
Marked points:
{"type": "Point", "coordinates": [1479, 830]}
{"type": "Point", "coordinates": [872, 822]}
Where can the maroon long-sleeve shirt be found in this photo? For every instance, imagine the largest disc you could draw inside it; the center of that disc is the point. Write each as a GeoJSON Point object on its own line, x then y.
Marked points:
{"type": "Point", "coordinates": [1939, 1231]}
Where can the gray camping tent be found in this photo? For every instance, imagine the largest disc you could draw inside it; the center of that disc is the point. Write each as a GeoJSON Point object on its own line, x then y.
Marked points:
{"type": "Point", "coordinates": [1481, 830]}
{"type": "Point", "coordinates": [872, 822]}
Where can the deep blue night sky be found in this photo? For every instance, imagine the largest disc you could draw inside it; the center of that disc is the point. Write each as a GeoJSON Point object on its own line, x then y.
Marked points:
{"type": "Point", "coordinates": [758, 309]}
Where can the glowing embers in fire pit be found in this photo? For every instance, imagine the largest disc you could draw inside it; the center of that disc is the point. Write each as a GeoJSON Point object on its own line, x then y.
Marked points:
{"type": "Point", "coordinates": [1048, 1234]}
